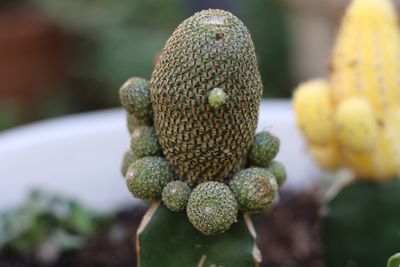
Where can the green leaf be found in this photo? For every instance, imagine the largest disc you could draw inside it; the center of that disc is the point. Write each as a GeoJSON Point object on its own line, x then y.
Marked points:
{"type": "Point", "coordinates": [167, 239]}
{"type": "Point", "coordinates": [362, 225]}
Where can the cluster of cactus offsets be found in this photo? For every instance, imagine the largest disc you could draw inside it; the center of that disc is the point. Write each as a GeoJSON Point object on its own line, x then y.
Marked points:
{"type": "Point", "coordinates": [193, 126]}
{"type": "Point", "coordinates": [352, 120]}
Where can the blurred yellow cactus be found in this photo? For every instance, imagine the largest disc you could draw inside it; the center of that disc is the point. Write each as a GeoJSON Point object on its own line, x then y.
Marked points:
{"type": "Point", "coordinates": [352, 120]}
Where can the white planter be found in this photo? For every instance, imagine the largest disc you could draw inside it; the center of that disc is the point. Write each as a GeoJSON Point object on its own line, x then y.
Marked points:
{"type": "Point", "coordinates": [79, 156]}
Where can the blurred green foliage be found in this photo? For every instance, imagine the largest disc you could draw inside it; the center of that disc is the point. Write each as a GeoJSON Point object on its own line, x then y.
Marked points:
{"type": "Point", "coordinates": [115, 40]}
{"type": "Point", "coordinates": [46, 220]}
{"type": "Point", "coordinates": [110, 41]}
{"type": "Point", "coordinates": [268, 25]}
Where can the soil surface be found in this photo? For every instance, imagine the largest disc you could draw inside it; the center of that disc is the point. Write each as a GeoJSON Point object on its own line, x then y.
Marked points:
{"type": "Point", "coordinates": [288, 237]}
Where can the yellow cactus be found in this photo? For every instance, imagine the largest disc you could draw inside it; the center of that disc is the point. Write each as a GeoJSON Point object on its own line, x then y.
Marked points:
{"type": "Point", "coordinates": [356, 125]}
{"type": "Point", "coordinates": [328, 157]}
{"type": "Point", "coordinates": [312, 103]}
{"type": "Point", "coordinates": [353, 119]}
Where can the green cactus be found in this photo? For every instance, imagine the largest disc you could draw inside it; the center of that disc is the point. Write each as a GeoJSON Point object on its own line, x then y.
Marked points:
{"type": "Point", "coordinates": [278, 171]}
{"type": "Point", "coordinates": [394, 261]}
{"type": "Point", "coordinates": [147, 176]}
{"type": "Point", "coordinates": [175, 195]}
{"type": "Point", "coordinates": [127, 160]}
{"type": "Point", "coordinates": [254, 189]}
{"type": "Point", "coordinates": [362, 224]}
{"type": "Point", "coordinates": [204, 96]}
{"type": "Point", "coordinates": [264, 148]}
{"type": "Point", "coordinates": [135, 98]}
{"type": "Point", "coordinates": [217, 97]}
{"type": "Point", "coordinates": [167, 239]}
{"type": "Point", "coordinates": [212, 49]}
{"type": "Point", "coordinates": [212, 208]}
{"type": "Point", "coordinates": [144, 142]}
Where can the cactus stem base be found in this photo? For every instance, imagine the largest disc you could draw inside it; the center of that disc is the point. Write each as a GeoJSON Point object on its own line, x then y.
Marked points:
{"type": "Point", "coordinates": [167, 238]}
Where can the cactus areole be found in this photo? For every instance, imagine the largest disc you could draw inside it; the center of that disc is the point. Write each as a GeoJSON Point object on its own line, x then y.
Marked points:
{"type": "Point", "coordinates": [212, 49]}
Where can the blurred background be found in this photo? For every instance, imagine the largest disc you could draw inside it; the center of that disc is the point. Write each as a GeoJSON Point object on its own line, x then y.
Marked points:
{"type": "Point", "coordinates": [68, 56]}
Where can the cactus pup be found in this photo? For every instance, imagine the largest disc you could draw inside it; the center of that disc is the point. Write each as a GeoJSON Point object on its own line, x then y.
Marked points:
{"type": "Point", "coordinates": [352, 121]}
{"type": "Point", "coordinates": [194, 151]}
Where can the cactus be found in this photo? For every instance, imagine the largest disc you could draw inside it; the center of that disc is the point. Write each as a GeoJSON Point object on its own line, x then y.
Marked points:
{"type": "Point", "coordinates": [394, 261]}
{"type": "Point", "coordinates": [127, 160]}
{"type": "Point", "coordinates": [277, 169]}
{"type": "Point", "coordinates": [144, 142]}
{"type": "Point", "coordinates": [167, 239]}
{"type": "Point", "coordinates": [146, 177]}
{"type": "Point", "coordinates": [212, 208]}
{"type": "Point", "coordinates": [204, 97]}
{"type": "Point", "coordinates": [362, 225]}
{"type": "Point", "coordinates": [175, 195]}
{"type": "Point", "coordinates": [264, 148]}
{"type": "Point", "coordinates": [352, 121]}
{"type": "Point", "coordinates": [211, 49]}
{"type": "Point", "coordinates": [254, 189]}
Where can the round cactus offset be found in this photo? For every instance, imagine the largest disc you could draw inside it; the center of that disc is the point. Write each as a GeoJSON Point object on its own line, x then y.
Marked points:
{"type": "Point", "coordinates": [175, 195]}
{"type": "Point", "coordinates": [127, 160]}
{"type": "Point", "coordinates": [278, 171]}
{"type": "Point", "coordinates": [144, 142]}
{"type": "Point", "coordinates": [254, 189]}
{"type": "Point", "coordinates": [147, 176]}
{"type": "Point", "coordinates": [263, 149]}
{"type": "Point", "coordinates": [135, 98]}
{"type": "Point", "coordinates": [212, 208]}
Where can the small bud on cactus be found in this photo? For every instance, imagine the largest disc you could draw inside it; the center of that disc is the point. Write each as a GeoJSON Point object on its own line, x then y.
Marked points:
{"type": "Point", "coordinates": [254, 189]}
{"type": "Point", "coordinates": [212, 208]}
{"type": "Point", "coordinates": [175, 195]}
{"type": "Point", "coordinates": [127, 160]}
{"type": "Point", "coordinates": [278, 171]}
{"type": "Point", "coordinates": [135, 98]}
{"type": "Point", "coordinates": [144, 142]}
{"type": "Point", "coordinates": [217, 97]}
{"type": "Point", "coordinates": [264, 148]}
{"type": "Point", "coordinates": [147, 176]}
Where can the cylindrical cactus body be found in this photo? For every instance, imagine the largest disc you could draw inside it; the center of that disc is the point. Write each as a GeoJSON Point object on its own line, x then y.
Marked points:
{"type": "Point", "coordinates": [212, 49]}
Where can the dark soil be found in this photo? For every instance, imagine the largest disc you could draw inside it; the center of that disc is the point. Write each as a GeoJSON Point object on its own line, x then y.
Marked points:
{"type": "Point", "coordinates": [288, 237]}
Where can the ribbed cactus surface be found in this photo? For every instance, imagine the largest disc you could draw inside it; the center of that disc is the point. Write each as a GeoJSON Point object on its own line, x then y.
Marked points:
{"type": "Point", "coordinates": [352, 120]}
{"type": "Point", "coordinates": [212, 49]}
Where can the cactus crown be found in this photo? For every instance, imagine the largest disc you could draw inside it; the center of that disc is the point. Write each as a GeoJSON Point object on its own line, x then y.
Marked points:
{"type": "Point", "coordinates": [212, 49]}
